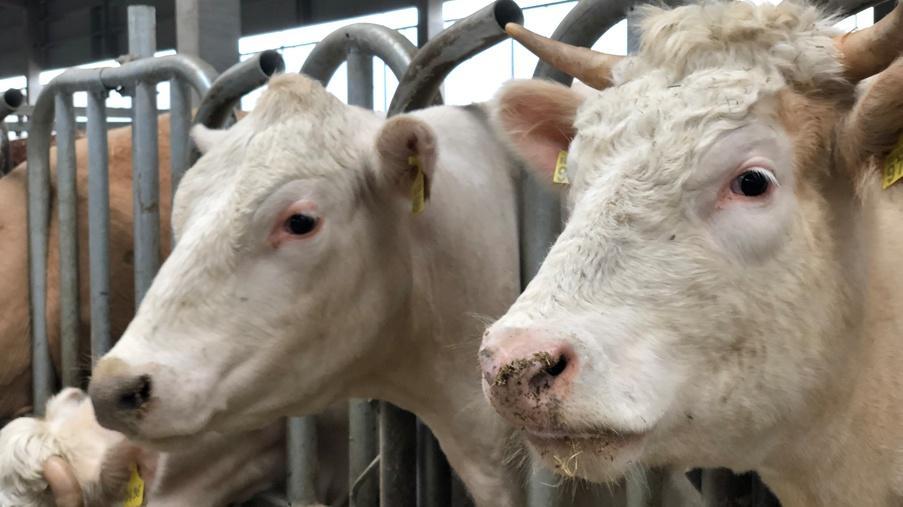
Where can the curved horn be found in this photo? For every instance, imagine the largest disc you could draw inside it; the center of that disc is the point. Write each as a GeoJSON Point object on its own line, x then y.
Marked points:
{"type": "Point", "coordinates": [868, 51]}
{"type": "Point", "coordinates": [591, 67]}
{"type": "Point", "coordinates": [59, 475]}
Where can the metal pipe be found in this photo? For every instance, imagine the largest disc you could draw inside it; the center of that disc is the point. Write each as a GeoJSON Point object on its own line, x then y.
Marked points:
{"type": "Point", "coordinates": [99, 225]}
{"type": "Point", "coordinates": [302, 460]}
{"type": "Point", "coordinates": [11, 100]}
{"type": "Point", "coordinates": [67, 206]}
{"type": "Point", "coordinates": [433, 471]}
{"type": "Point", "coordinates": [145, 157]}
{"type": "Point", "coordinates": [242, 78]}
{"type": "Point", "coordinates": [179, 126]}
{"type": "Point", "coordinates": [196, 73]}
{"type": "Point", "coordinates": [452, 46]}
{"type": "Point", "coordinates": [363, 427]}
{"type": "Point", "coordinates": [398, 451]}
{"type": "Point", "coordinates": [374, 40]}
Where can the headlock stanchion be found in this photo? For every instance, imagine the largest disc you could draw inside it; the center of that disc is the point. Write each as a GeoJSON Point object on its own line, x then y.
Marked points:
{"type": "Point", "coordinates": [466, 38]}
{"type": "Point", "coordinates": [55, 99]}
{"type": "Point", "coordinates": [218, 105]}
{"type": "Point", "coordinates": [9, 102]}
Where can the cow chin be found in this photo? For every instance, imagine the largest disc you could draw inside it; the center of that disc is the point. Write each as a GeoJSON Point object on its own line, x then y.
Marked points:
{"type": "Point", "coordinates": [603, 456]}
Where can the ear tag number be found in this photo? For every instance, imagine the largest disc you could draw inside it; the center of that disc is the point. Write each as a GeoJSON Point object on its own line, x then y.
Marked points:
{"type": "Point", "coordinates": [893, 166]}
{"type": "Point", "coordinates": [134, 494]}
{"type": "Point", "coordinates": [418, 196]}
{"type": "Point", "coordinates": [560, 175]}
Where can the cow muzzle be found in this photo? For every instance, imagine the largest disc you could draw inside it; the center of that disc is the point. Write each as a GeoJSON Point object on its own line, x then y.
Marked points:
{"type": "Point", "coordinates": [121, 398]}
{"type": "Point", "coordinates": [527, 376]}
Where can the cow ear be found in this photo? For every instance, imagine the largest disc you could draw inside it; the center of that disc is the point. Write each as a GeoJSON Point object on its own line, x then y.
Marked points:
{"type": "Point", "coordinates": [538, 118]}
{"type": "Point", "coordinates": [406, 150]}
{"type": "Point", "coordinates": [61, 478]}
{"type": "Point", "coordinates": [205, 138]}
{"type": "Point", "coordinates": [875, 124]}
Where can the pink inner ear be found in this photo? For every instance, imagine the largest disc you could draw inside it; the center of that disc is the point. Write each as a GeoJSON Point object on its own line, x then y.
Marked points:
{"type": "Point", "coordinates": [539, 117]}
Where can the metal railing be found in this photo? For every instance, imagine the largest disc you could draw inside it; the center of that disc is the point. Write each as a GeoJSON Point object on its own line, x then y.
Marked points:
{"type": "Point", "coordinates": [54, 106]}
{"type": "Point", "coordinates": [10, 101]}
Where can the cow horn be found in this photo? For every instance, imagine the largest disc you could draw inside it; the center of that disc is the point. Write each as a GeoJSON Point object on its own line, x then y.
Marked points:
{"type": "Point", "coordinates": [591, 67]}
{"type": "Point", "coordinates": [868, 51]}
{"type": "Point", "coordinates": [65, 488]}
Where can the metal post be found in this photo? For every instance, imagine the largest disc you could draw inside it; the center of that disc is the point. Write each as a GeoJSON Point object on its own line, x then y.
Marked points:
{"type": "Point", "coordinates": [398, 450]}
{"type": "Point", "coordinates": [179, 126]}
{"type": "Point", "coordinates": [363, 427]}
{"type": "Point", "coordinates": [67, 199]}
{"type": "Point", "coordinates": [145, 164]}
{"type": "Point", "coordinates": [209, 29]}
{"type": "Point", "coordinates": [99, 225]}
{"type": "Point", "coordinates": [302, 461]}
{"type": "Point", "coordinates": [34, 48]}
{"type": "Point", "coordinates": [433, 471]}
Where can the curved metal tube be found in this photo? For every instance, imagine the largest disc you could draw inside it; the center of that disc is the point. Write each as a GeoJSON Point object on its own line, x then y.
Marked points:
{"type": "Point", "coordinates": [442, 54]}
{"type": "Point", "coordinates": [196, 73]}
{"type": "Point", "coordinates": [9, 102]}
{"type": "Point", "coordinates": [376, 40]}
{"type": "Point", "coordinates": [239, 79]}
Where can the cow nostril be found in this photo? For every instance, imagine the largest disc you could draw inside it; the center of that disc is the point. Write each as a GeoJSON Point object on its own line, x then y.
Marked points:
{"type": "Point", "coordinates": [137, 395]}
{"type": "Point", "coordinates": [558, 368]}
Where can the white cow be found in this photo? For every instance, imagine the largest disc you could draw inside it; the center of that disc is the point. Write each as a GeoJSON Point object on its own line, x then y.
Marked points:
{"type": "Point", "coordinates": [727, 289]}
{"type": "Point", "coordinates": [67, 459]}
{"type": "Point", "coordinates": [302, 276]}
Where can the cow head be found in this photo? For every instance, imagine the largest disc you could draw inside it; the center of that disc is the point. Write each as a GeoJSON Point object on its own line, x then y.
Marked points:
{"type": "Point", "coordinates": [705, 291]}
{"type": "Point", "coordinates": [292, 259]}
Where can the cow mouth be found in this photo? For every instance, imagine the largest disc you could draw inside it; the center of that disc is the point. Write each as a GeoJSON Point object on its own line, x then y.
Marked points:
{"type": "Point", "coordinates": [576, 453]}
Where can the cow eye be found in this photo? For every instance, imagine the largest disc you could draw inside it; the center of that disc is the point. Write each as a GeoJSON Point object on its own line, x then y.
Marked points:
{"type": "Point", "coordinates": [753, 183]}
{"type": "Point", "coordinates": [300, 224]}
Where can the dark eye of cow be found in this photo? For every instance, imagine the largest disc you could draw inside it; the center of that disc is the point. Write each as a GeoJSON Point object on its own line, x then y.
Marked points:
{"type": "Point", "coordinates": [300, 225]}
{"type": "Point", "coordinates": [751, 184]}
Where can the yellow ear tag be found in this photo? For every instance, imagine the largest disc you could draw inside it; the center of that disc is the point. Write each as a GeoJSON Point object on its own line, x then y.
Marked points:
{"type": "Point", "coordinates": [418, 196]}
{"type": "Point", "coordinates": [134, 494]}
{"type": "Point", "coordinates": [560, 175]}
{"type": "Point", "coordinates": [893, 166]}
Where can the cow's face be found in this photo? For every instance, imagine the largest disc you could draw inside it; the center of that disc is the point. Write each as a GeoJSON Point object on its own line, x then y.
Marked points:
{"type": "Point", "coordinates": [705, 288]}
{"type": "Point", "coordinates": [291, 260]}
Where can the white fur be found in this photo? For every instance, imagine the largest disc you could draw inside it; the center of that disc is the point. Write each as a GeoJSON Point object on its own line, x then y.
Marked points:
{"type": "Point", "coordinates": [379, 303]}
{"type": "Point", "coordinates": [725, 331]}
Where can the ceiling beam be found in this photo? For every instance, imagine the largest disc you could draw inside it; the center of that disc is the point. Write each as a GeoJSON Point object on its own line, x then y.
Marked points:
{"type": "Point", "coordinates": [19, 4]}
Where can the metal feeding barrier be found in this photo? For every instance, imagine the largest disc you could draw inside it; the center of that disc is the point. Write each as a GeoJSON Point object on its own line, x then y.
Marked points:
{"type": "Point", "coordinates": [10, 101]}
{"type": "Point", "coordinates": [394, 460]}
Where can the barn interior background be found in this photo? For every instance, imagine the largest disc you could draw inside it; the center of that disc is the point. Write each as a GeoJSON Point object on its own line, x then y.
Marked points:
{"type": "Point", "coordinates": [394, 461]}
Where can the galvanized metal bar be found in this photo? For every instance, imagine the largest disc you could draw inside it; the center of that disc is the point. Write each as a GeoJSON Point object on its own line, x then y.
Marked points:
{"type": "Point", "coordinates": [242, 78]}
{"type": "Point", "coordinates": [10, 101]}
{"type": "Point", "coordinates": [145, 159]}
{"type": "Point", "coordinates": [38, 192]}
{"type": "Point", "coordinates": [398, 451]}
{"type": "Point", "coordinates": [363, 424]}
{"type": "Point", "coordinates": [452, 46]}
{"type": "Point", "coordinates": [179, 127]}
{"type": "Point", "coordinates": [375, 40]}
{"type": "Point", "coordinates": [196, 73]}
{"type": "Point", "coordinates": [302, 460]}
{"type": "Point", "coordinates": [67, 206]}
{"type": "Point", "coordinates": [433, 471]}
{"type": "Point", "coordinates": [99, 225]}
